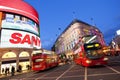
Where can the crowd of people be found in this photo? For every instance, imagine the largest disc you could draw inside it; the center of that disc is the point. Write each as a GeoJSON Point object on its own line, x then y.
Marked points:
{"type": "Point", "coordinates": [11, 70]}
{"type": "Point", "coordinates": [8, 70]}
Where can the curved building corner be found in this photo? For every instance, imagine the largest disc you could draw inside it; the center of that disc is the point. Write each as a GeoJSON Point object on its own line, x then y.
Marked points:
{"type": "Point", "coordinates": [19, 34]}
{"type": "Point", "coordinates": [72, 34]}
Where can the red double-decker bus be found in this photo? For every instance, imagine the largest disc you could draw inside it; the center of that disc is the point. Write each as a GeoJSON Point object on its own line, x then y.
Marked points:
{"type": "Point", "coordinates": [89, 52]}
{"type": "Point", "coordinates": [44, 59]}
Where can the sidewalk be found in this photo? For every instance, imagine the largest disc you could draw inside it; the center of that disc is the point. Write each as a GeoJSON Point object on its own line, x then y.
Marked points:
{"type": "Point", "coordinates": [16, 73]}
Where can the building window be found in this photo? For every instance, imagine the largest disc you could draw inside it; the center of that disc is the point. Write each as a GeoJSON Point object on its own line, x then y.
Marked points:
{"type": "Point", "coordinates": [9, 55]}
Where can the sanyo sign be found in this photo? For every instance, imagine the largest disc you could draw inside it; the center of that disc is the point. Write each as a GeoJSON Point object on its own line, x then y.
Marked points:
{"type": "Point", "coordinates": [13, 38]}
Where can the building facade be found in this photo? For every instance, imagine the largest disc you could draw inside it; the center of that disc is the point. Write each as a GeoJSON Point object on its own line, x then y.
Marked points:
{"type": "Point", "coordinates": [71, 35]}
{"type": "Point", "coordinates": [115, 43]}
{"type": "Point", "coordinates": [19, 33]}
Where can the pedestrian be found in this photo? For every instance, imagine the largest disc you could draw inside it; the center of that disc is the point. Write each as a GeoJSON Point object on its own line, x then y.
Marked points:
{"type": "Point", "coordinates": [12, 70]}
{"type": "Point", "coordinates": [6, 71]}
{"type": "Point", "coordinates": [28, 67]}
{"type": "Point", "coordinates": [3, 70]}
{"type": "Point", "coordinates": [20, 68]}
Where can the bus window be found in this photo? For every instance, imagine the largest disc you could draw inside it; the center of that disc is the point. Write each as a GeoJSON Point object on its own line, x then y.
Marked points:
{"type": "Point", "coordinates": [93, 51]}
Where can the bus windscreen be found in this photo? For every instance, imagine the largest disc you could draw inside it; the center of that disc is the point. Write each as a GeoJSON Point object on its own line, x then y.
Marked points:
{"type": "Point", "coordinates": [93, 50]}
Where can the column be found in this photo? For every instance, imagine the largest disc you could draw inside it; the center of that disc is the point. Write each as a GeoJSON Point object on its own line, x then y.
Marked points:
{"type": "Point", "coordinates": [0, 62]}
{"type": "Point", "coordinates": [30, 58]}
{"type": "Point", "coordinates": [17, 60]}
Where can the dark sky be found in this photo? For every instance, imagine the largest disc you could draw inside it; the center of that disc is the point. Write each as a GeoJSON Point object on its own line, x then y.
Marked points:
{"type": "Point", "coordinates": [55, 14]}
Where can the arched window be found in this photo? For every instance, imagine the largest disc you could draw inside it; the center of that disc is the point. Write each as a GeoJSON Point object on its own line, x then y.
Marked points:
{"type": "Point", "coordinates": [24, 54]}
{"type": "Point", "coordinates": [9, 55]}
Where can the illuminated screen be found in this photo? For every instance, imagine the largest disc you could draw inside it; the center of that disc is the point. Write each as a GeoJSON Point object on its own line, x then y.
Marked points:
{"type": "Point", "coordinates": [20, 39]}
{"type": "Point", "coordinates": [18, 22]}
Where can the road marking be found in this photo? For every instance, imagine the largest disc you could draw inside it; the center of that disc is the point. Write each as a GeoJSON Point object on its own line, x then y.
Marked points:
{"type": "Point", "coordinates": [101, 74]}
{"type": "Point", "coordinates": [64, 72]}
{"type": "Point", "coordinates": [85, 78]}
{"type": "Point", "coordinates": [72, 76]}
{"type": "Point", "coordinates": [75, 70]}
{"type": "Point", "coordinates": [46, 74]}
{"type": "Point", "coordinates": [64, 77]}
{"type": "Point", "coordinates": [113, 69]}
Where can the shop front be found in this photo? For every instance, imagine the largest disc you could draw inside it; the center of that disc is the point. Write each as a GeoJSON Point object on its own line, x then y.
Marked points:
{"type": "Point", "coordinates": [15, 59]}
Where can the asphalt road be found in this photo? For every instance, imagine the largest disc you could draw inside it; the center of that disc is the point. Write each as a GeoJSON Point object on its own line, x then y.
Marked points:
{"type": "Point", "coordinates": [111, 71]}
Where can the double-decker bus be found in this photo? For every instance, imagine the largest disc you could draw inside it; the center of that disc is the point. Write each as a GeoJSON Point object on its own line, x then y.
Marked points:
{"type": "Point", "coordinates": [89, 52]}
{"type": "Point", "coordinates": [44, 59]}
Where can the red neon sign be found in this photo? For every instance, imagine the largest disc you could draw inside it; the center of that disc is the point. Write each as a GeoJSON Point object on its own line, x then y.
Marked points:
{"type": "Point", "coordinates": [18, 38]}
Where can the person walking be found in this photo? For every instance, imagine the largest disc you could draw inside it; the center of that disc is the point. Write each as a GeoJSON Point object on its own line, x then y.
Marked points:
{"type": "Point", "coordinates": [28, 67]}
{"type": "Point", "coordinates": [6, 71]}
{"type": "Point", "coordinates": [12, 70]}
{"type": "Point", "coordinates": [20, 68]}
{"type": "Point", "coordinates": [3, 70]}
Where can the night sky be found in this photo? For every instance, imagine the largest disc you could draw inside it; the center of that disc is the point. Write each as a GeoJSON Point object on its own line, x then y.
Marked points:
{"type": "Point", "coordinates": [56, 15]}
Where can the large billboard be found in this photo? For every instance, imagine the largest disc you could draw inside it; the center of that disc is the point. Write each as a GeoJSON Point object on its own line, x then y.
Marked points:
{"type": "Point", "coordinates": [18, 31]}
{"type": "Point", "coordinates": [17, 22]}
{"type": "Point", "coordinates": [19, 39]}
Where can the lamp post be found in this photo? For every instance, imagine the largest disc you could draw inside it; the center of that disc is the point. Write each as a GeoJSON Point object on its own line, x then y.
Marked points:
{"type": "Point", "coordinates": [93, 22]}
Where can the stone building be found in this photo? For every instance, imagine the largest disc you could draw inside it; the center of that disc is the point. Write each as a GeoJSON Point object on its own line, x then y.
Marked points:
{"type": "Point", "coordinates": [68, 38]}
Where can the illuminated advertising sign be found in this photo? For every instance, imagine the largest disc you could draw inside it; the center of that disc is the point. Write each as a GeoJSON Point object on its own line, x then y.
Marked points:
{"type": "Point", "coordinates": [20, 39]}
{"type": "Point", "coordinates": [17, 22]}
{"type": "Point", "coordinates": [118, 32]}
{"type": "Point", "coordinates": [18, 31]}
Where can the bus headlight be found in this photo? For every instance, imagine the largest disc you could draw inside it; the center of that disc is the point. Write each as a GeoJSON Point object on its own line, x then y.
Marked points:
{"type": "Point", "coordinates": [88, 61]}
{"type": "Point", "coordinates": [105, 59]}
